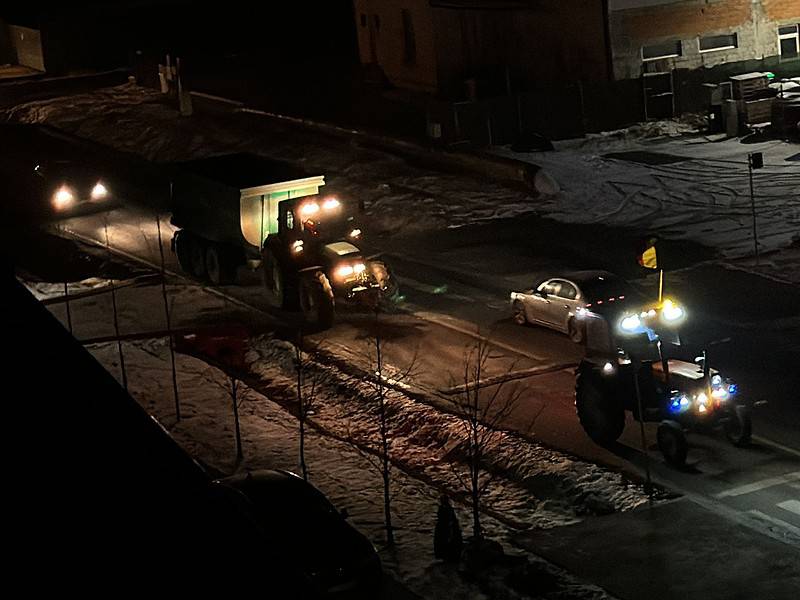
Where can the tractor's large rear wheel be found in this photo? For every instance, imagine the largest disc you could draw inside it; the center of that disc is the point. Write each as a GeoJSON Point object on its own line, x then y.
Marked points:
{"type": "Point", "coordinates": [274, 280]}
{"type": "Point", "coordinates": [316, 300]}
{"type": "Point", "coordinates": [599, 411]}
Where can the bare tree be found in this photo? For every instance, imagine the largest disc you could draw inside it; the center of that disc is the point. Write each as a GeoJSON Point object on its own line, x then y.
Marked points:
{"type": "Point", "coordinates": [233, 388]}
{"type": "Point", "coordinates": [307, 388]}
{"type": "Point", "coordinates": [482, 404]}
{"type": "Point", "coordinates": [382, 380]}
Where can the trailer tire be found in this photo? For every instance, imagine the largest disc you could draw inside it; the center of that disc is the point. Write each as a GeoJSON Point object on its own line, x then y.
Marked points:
{"type": "Point", "coordinates": [181, 246]}
{"type": "Point", "coordinates": [672, 443]}
{"type": "Point", "coordinates": [599, 412]}
{"type": "Point", "coordinates": [197, 257]}
{"type": "Point", "coordinates": [220, 265]}
{"type": "Point", "coordinates": [316, 300]}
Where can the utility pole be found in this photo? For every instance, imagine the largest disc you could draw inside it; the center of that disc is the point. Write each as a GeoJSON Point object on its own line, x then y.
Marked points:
{"type": "Point", "coordinates": [755, 160]}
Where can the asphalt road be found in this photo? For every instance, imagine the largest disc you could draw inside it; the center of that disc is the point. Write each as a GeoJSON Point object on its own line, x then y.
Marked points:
{"type": "Point", "coordinates": [441, 317]}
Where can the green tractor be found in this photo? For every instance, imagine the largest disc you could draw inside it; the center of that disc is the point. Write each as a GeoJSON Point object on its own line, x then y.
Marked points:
{"type": "Point", "coordinates": [312, 261]}
{"type": "Point", "coordinates": [242, 211]}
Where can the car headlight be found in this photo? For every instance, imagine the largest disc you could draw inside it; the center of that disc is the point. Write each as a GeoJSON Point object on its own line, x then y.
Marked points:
{"type": "Point", "coordinates": [63, 198]}
{"type": "Point", "coordinates": [99, 191]}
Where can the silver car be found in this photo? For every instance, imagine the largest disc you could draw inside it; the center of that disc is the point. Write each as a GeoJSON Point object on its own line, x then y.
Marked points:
{"type": "Point", "coordinates": [558, 302]}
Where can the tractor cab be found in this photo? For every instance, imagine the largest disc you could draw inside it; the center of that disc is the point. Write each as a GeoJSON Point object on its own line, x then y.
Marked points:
{"type": "Point", "coordinates": [316, 219]}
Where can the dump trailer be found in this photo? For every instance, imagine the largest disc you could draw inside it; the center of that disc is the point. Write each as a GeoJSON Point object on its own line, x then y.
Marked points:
{"type": "Point", "coordinates": [243, 210]}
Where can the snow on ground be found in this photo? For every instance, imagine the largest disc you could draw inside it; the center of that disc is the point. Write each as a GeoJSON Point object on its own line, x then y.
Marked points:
{"type": "Point", "coordinates": [704, 198]}
{"type": "Point", "coordinates": [269, 435]}
{"type": "Point", "coordinates": [535, 486]}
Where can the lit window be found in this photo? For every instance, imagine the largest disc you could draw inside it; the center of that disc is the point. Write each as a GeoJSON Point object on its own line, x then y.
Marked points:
{"type": "Point", "coordinates": [663, 50]}
{"type": "Point", "coordinates": [710, 43]}
{"type": "Point", "coordinates": [788, 42]}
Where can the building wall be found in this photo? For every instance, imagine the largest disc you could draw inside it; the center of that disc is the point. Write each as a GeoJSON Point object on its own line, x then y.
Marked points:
{"type": "Point", "coordinates": [638, 23]}
{"type": "Point", "coordinates": [27, 44]}
{"type": "Point", "coordinates": [537, 42]}
{"type": "Point", "coordinates": [382, 40]}
{"type": "Point", "coordinates": [532, 42]}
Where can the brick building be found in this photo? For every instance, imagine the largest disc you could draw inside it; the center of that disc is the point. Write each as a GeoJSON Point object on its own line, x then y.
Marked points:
{"type": "Point", "coordinates": [452, 47]}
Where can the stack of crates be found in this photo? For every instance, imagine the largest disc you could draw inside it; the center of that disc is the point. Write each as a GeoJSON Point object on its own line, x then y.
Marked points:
{"type": "Point", "coordinates": [750, 93]}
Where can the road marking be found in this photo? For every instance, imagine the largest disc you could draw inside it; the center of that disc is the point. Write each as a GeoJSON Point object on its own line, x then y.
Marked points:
{"type": "Point", "coordinates": [433, 290]}
{"type": "Point", "coordinates": [791, 506]}
{"type": "Point", "coordinates": [789, 530]}
{"type": "Point", "coordinates": [510, 376]}
{"type": "Point", "coordinates": [766, 442]}
{"type": "Point", "coordinates": [759, 485]}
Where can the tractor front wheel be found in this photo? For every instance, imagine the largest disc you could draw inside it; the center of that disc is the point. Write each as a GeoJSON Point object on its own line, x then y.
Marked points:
{"type": "Point", "coordinates": [672, 443]}
{"type": "Point", "coordinates": [316, 300]}
{"type": "Point", "coordinates": [739, 426]}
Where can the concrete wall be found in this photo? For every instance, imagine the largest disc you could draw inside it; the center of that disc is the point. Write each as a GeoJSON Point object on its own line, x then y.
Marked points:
{"type": "Point", "coordinates": [638, 23]}
{"type": "Point", "coordinates": [381, 40]}
{"type": "Point", "coordinates": [27, 44]}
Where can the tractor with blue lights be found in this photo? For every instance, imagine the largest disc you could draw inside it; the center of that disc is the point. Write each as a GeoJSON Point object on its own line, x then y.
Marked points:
{"type": "Point", "coordinates": [627, 369]}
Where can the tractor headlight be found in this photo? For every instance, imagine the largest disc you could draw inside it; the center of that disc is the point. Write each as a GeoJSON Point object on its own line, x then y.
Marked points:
{"type": "Point", "coordinates": [671, 312]}
{"type": "Point", "coordinates": [631, 323]}
{"type": "Point", "coordinates": [309, 208]}
{"type": "Point", "coordinates": [63, 198]}
{"type": "Point", "coordinates": [679, 402]}
{"type": "Point", "coordinates": [99, 191]}
{"type": "Point", "coordinates": [297, 246]}
{"type": "Point", "coordinates": [344, 271]}
{"type": "Point", "coordinates": [331, 203]}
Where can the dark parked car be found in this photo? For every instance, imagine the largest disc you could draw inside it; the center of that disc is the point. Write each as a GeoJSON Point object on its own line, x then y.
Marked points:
{"type": "Point", "coordinates": [308, 532]}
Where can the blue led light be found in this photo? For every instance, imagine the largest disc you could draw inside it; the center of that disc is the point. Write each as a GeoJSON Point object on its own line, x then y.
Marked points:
{"type": "Point", "coordinates": [732, 388]}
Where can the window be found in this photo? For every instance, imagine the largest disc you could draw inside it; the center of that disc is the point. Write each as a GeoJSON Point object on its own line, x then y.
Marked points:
{"type": "Point", "coordinates": [409, 42]}
{"type": "Point", "coordinates": [549, 287]}
{"type": "Point", "coordinates": [289, 220]}
{"type": "Point", "coordinates": [663, 50]}
{"type": "Point", "coordinates": [788, 42]}
{"type": "Point", "coordinates": [710, 43]}
{"type": "Point", "coordinates": [567, 291]}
